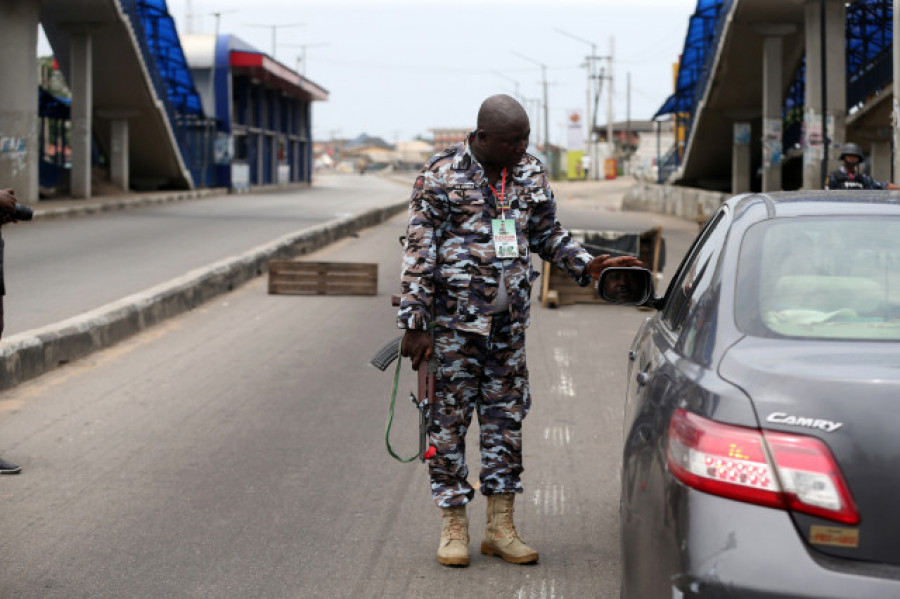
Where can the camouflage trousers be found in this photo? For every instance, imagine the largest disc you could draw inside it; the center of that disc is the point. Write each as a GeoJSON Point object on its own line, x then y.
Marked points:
{"type": "Point", "coordinates": [487, 373]}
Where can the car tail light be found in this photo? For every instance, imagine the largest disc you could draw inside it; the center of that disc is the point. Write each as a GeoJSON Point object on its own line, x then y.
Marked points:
{"type": "Point", "coordinates": [734, 462]}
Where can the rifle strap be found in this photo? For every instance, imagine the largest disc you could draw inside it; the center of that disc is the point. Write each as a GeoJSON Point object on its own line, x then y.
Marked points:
{"type": "Point", "coordinates": [387, 432]}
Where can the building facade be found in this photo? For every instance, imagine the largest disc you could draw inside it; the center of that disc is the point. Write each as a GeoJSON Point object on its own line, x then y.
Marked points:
{"type": "Point", "coordinates": [263, 112]}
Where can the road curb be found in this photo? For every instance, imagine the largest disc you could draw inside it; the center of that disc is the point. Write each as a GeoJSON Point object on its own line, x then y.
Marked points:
{"type": "Point", "coordinates": [29, 354]}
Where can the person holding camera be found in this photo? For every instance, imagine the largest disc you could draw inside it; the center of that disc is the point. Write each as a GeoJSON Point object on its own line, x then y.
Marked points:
{"type": "Point", "coordinates": [8, 202]}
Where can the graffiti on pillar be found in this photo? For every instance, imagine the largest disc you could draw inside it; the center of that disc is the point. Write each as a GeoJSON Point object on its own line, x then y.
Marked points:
{"type": "Point", "coordinates": [12, 145]}
{"type": "Point", "coordinates": [741, 134]}
{"type": "Point", "coordinates": [812, 138]}
{"type": "Point", "coordinates": [772, 146]}
{"type": "Point", "coordinates": [13, 150]}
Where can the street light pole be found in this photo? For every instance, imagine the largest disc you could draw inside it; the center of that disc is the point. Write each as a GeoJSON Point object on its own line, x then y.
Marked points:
{"type": "Point", "coordinates": [552, 165]}
{"type": "Point", "coordinates": [301, 68]}
{"type": "Point", "coordinates": [218, 17]}
{"type": "Point", "coordinates": [274, 29]}
{"type": "Point", "coordinates": [511, 80]}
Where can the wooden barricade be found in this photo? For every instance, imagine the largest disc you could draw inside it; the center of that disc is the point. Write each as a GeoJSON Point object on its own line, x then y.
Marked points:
{"type": "Point", "coordinates": [296, 277]}
{"type": "Point", "coordinates": [558, 289]}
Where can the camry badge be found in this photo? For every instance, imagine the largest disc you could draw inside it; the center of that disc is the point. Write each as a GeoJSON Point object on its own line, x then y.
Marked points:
{"type": "Point", "coordinates": [829, 426]}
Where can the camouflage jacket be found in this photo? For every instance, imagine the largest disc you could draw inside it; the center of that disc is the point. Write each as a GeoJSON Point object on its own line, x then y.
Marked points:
{"type": "Point", "coordinates": [450, 265]}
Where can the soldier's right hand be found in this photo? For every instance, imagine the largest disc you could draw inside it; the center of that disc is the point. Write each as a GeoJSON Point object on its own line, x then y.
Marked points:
{"type": "Point", "coordinates": [416, 345]}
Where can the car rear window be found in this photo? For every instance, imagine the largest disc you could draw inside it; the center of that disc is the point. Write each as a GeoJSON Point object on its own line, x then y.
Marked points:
{"type": "Point", "coordinates": [834, 277]}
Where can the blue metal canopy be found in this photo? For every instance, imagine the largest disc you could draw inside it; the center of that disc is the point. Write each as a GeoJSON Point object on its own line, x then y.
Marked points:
{"type": "Point", "coordinates": [164, 48]}
{"type": "Point", "coordinates": [699, 43]}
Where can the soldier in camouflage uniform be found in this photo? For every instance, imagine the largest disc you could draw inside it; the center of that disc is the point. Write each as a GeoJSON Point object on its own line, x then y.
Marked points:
{"type": "Point", "coordinates": [477, 212]}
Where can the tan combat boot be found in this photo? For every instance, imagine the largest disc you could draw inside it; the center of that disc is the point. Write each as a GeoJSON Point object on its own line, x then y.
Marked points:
{"type": "Point", "coordinates": [454, 547]}
{"type": "Point", "coordinates": [500, 536]}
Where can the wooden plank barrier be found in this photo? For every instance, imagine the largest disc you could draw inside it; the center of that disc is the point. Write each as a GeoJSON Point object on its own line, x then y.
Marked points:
{"type": "Point", "coordinates": [558, 289]}
{"type": "Point", "coordinates": [296, 277]}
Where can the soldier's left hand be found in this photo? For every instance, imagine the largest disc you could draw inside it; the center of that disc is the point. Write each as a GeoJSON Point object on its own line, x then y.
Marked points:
{"type": "Point", "coordinates": [603, 261]}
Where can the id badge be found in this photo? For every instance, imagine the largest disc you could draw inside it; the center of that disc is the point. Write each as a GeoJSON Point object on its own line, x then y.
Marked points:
{"type": "Point", "coordinates": [504, 233]}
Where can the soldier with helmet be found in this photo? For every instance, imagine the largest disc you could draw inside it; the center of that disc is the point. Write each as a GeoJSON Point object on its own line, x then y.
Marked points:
{"type": "Point", "coordinates": [849, 177]}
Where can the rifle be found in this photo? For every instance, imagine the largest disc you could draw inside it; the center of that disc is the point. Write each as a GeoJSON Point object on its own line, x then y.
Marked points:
{"type": "Point", "coordinates": [423, 401]}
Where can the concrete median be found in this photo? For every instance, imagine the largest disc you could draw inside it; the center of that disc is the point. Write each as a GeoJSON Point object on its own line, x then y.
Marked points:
{"type": "Point", "coordinates": [29, 354]}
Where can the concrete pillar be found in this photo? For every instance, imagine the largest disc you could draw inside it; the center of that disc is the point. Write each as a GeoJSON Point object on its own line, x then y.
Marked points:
{"type": "Point", "coordinates": [880, 160]}
{"type": "Point", "coordinates": [81, 82]}
{"type": "Point", "coordinates": [772, 101]}
{"type": "Point", "coordinates": [119, 159]}
{"type": "Point", "coordinates": [740, 159]}
{"type": "Point", "coordinates": [118, 154]}
{"type": "Point", "coordinates": [19, 148]}
{"type": "Point", "coordinates": [260, 162]}
{"type": "Point", "coordinates": [896, 99]}
{"type": "Point", "coordinates": [832, 130]}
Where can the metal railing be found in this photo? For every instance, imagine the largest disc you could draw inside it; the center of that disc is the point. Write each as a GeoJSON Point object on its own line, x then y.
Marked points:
{"type": "Point", "coordinates": [194, 132]}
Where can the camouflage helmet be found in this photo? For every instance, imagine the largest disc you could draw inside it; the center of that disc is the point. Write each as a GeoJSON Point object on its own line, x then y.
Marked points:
{"type": "Point", "coordinates": [851, 149]}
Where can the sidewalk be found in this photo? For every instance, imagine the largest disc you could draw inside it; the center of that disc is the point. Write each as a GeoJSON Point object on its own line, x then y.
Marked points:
{"type": "Point", "coordinates": [66, 207]}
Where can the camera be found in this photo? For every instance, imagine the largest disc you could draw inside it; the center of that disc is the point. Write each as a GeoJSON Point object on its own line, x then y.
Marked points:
{"type": "Point", "coordinates": [23, 212]}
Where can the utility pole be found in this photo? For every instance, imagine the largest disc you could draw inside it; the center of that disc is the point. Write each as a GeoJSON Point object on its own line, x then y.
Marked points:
{"type": "Point", "coordinates": [627, 116]}
{"type": "Point", "coordinates": [549, 154]}
{"type": "Point", "coordinates": [591, 113]}
{"type": "Point", "coordinates": [609, 122]}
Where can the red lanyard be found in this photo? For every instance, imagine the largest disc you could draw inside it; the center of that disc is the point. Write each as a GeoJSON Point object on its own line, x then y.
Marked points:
{"type": "Point", "coordinates": [502, 196]}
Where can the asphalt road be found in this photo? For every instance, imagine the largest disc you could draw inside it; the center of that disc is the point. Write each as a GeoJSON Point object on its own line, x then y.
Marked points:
{"type": "Point", "coordinates": [238, 451]}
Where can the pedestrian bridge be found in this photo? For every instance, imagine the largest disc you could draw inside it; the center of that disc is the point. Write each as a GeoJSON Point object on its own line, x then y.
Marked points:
{"type": "Point", "coordinates": [110, 49]}
{"type": "Point", "coordinates": [753, 85]}
{"type": "Point", "coordinates": [135, 109]}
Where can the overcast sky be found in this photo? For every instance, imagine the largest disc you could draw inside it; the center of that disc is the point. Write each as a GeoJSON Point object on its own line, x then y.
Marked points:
{"type": "Point", "coordinates": [397, 68]}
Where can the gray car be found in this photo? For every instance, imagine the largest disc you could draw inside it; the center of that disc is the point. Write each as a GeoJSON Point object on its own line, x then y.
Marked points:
{"type": "Point", "coordinates": [762, 418]}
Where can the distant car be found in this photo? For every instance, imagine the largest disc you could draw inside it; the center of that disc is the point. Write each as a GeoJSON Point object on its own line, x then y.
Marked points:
{"type": "Point", "coordinates": [762, 415]}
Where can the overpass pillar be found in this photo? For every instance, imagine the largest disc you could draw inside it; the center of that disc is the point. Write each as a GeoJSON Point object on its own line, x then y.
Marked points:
{"type": "Point", "coordinates": [880, 160]}
{"type": "Point", "coordinates": [19, 149]}
{"type": "Point", "coordinates": [118, 160]}
{"type": "Point", "coordinates": [772, 101]}
{"type": "Point", "coordinates": [740, 159]}
{"type": "Point", "coordinates": [832, 131]}
{"type": "Point", "coordinates": [896, 110]}
{"type": "Point", "coordinates": [119, 169]}
{"type": "Point", "coordinates": [82, 85]}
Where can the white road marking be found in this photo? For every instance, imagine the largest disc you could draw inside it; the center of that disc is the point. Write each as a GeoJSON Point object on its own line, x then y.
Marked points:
{"type": "Point", "coordinates": [550, 499]}
{"type": "Point", "coordinates": [565, 385]}
{"type": "Point", "coordinates": [558, 436]}
{"type": "Point", "coordinates": [543, 589]}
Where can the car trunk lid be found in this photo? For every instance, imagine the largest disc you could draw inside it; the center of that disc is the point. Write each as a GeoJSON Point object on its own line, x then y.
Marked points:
{"type": "Point", "coordinates": [846, 394]}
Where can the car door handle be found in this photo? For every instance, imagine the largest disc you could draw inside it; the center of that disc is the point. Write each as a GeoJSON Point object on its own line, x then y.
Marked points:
{"type": "Point", "coordinates": [643, 378]}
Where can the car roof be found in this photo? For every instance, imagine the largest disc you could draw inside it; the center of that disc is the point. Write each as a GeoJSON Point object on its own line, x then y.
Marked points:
{"type": "Point", "coordinates": [762, 206]}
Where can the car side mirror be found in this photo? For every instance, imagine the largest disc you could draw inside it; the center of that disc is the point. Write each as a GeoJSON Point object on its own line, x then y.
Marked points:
{"type": "Point", "coordinates": [627, 286]}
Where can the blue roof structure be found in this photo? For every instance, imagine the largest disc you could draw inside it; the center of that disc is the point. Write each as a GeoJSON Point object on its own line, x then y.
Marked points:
{"type": "Point", "coordinates": [164, 47]}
